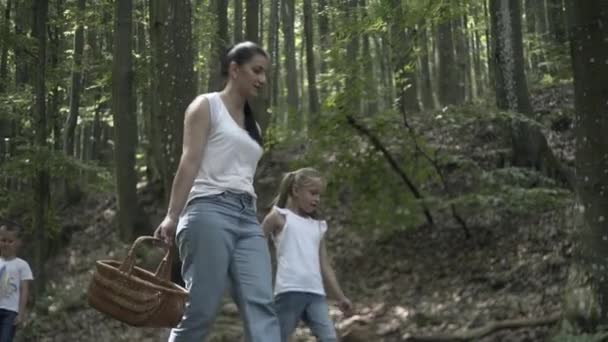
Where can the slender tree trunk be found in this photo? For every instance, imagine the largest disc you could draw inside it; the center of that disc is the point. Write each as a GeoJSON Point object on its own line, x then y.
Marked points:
{"type": "Point", "coordinates": [42, 178]}
{"type": "Point", "coordinates": [125, 121]}
{"type": "Point", "coordinates": [238, 21]}
{"type": "Point", "coordinates": [273, 49]}
{"type": "Point", "coordinates": [56, 98]}
{"type": "Point", "coordinates": [488, 35]}
{"type": "Point", "coordinates": [370, 73]}
{"type": "Point", "coordinates": [324, 40]}
{"type": "Point", "coordinates": [449, 84]}
{"type": "Point", "coordinates": [96, 47]}
{"type": "Point", "coordinates": [311, 72]}
{"type": "Point", "coordinates": [462, 61]}
{"type": "Point", "coordinates": [391, 86]}
{"type": "Point", "coordinates": [252, 24]}
{"type": "Point", "coordinates": [382, 73]}
{"type": "Point", "coordinates": [76, 86]}
{"type": "Point", "coordinates": [425, 70]}
{"type": "Point", "coordinates": [586, 299]}
{"type": "Point", "coordinates": [480, 70]}
{"type": "Point", "coordinates": [350, 10]}
{"type": "Point", "coordinates": [23, 12]}
{"type": "Point", "coordinates": [5, 123]}
{"type": "Point", "coordinates": [261, 21]}
{"type": "Point", "coordinates": [557, 21]}
{"type": "Point", "coordinates": [220, 43]}
{"type": "Point", "coordinates": [5, 44]}
{"type": "Point", "coordinates": [293, 105]}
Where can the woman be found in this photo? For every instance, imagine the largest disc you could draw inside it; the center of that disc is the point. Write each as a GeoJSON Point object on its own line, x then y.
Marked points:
{"type": "Point", "coordinates": [212, 209]}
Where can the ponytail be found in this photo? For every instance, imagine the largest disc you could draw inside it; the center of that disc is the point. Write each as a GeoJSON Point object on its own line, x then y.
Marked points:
{"type": "Point", "coordinates": [251, 126]}
{"type": "Point", "coordinates": [285, 190]}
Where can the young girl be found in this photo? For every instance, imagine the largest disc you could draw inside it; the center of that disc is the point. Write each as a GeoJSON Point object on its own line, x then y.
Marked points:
{"type": "Point", "coordinates": [303, 265]}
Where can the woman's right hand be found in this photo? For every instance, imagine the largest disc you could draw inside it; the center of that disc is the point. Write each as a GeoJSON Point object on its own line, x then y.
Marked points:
{"type": "Point", "coordinates": [166, 230]}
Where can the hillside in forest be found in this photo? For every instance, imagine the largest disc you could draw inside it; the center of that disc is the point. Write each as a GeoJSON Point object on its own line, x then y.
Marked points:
{"type": "Point", "coordinates": [497, 275]}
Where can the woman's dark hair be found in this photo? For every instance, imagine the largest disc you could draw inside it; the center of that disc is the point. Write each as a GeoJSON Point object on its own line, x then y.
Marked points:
{"type": "Point", "coordinates": [242, 53]}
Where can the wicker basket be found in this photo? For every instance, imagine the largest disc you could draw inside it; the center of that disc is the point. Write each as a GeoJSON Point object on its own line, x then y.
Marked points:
{"type": "Point", "coordinates": [135, 296]}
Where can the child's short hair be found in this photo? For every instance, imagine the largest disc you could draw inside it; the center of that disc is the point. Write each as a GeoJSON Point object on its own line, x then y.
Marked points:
{"type": "Point", "coordinates": [11, 226]}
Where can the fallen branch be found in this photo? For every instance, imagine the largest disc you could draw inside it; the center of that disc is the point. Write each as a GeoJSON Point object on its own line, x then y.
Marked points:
{"type": "Point", "coordinates": [488, 329]}
{"type": "Point", "coordinates": [393, 163]}
{"type": "Point", "coordinates": [437, 167]}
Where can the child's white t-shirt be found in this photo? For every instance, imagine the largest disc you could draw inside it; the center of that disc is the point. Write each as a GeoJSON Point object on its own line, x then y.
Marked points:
{"type": "Point", "coordinates": [12, 272]}
{"type": "Point", "coordinates": [297, 245]}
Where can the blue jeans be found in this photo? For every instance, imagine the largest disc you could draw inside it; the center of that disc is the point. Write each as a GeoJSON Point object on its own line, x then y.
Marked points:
{"type": "Point", "coordinates": [308, 307]}
{"type": "Point", "coordinates": [221, 244]}
{"type": "Point", "coordinates": [7, 325]}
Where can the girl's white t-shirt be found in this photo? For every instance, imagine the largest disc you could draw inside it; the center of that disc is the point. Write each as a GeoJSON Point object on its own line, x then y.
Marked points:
{"type": "Point", "coordinates": [230, 157]}
{"type": "Point", "coordinates": [12, 272]}
{"type": "Point", "coordinates": [297, 246]}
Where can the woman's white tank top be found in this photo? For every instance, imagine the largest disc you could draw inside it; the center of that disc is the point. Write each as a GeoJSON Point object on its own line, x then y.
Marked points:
{"type": "Point", "coordinates": [230, 157]}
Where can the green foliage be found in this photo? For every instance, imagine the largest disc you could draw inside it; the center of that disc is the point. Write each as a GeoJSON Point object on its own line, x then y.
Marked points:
{"type": "Point", "coordinates": [465, 143]}
{"type": "Point", "coordinates": [28, 161]}
{"type": "Point", "coordinates": [549, 63]}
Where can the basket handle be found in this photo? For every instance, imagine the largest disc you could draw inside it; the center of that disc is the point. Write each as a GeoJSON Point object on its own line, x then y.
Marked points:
{"type": "Point", "coordinates": [163, 270]}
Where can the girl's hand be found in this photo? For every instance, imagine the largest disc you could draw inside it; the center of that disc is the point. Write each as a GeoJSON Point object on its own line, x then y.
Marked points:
{"type": "Point", "coordinates": [346, 306]}
{"type": "Point", "coordinates": [166, 230]}
{"type": "Point", "coordinates": [18, 319]}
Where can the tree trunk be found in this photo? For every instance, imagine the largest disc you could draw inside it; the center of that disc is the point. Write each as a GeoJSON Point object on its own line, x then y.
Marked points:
{"type": "Point", "coordinates": [57, 48]}
{"type": "Point", "coordinates": [252, 24]}
{"type": "Point", "coordinates": [350, 11]}
{"type": "Point", "coordinates": [311, 72]}
{"type": "Point", "coordinates": [42, 178]}
{"type": "Point", "coordinates": [405, 80]}
{"type": "Point", "coordinates": [96, 48]}
{"type": "Point", "coordinates": [324, 40]}
{"type": "Point", "coordinates": [480, 70]}
{"type": "Point", "coordinates": [5, 123]}
{"type": "Point", "coordinates": [273, 49]}
{"type": "Point", "coordinates": [4, 49]}
{"type": "Point", "coordinates": [511, 85]}
{"type": "Point", "coordinates": [449, 84]}
{"type": "Point", "coordinates": [425, 70]}
{"type": "Point", "coordinates": [174, 81]}
{"type": "Point", "coordinates": [219, 45]}
{"type": "Point", "coordinates": [76, 86]}
{"type": "Point", "coordinates": [261, 21]}
{"type": "Point", "coordinates": [461, 49]}
{"type": "Point", "coordinates": [586, 300]}
{"type": "Point", "coordinates": [530, 148]}
{"type": "Point", "coordinates": [293, 105]}
{"type": "Point", "coordinates": [557, 21]}
{"type": "Point", "coordinates": [488, 35]}
{"type": "Point", "coordinates": [23, 12]}
{"type": "Point", "coordinates": [125, 121]}
{"type": "Point", "coordinates": [238, 21]}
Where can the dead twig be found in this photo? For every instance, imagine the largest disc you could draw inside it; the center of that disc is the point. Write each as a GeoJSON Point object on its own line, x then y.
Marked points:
{"type": "Point", "coordinates": [488, 329]}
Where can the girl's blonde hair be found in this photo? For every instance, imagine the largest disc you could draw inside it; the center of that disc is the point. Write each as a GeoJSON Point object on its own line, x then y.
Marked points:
{"type": "Point", "coordinates": [292, 180]}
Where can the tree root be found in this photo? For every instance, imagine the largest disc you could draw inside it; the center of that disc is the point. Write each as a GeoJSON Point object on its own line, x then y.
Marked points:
{"type": "Point", "coordinates": [488, 329]}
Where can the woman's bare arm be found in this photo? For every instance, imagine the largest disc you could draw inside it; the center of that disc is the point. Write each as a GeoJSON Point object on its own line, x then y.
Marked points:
{"type": "Point", "coordinates": [196, 133]}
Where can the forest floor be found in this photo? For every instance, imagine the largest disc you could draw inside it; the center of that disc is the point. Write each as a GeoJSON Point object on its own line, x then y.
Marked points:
{"type": "Point", "coordinates": [406, 285]}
